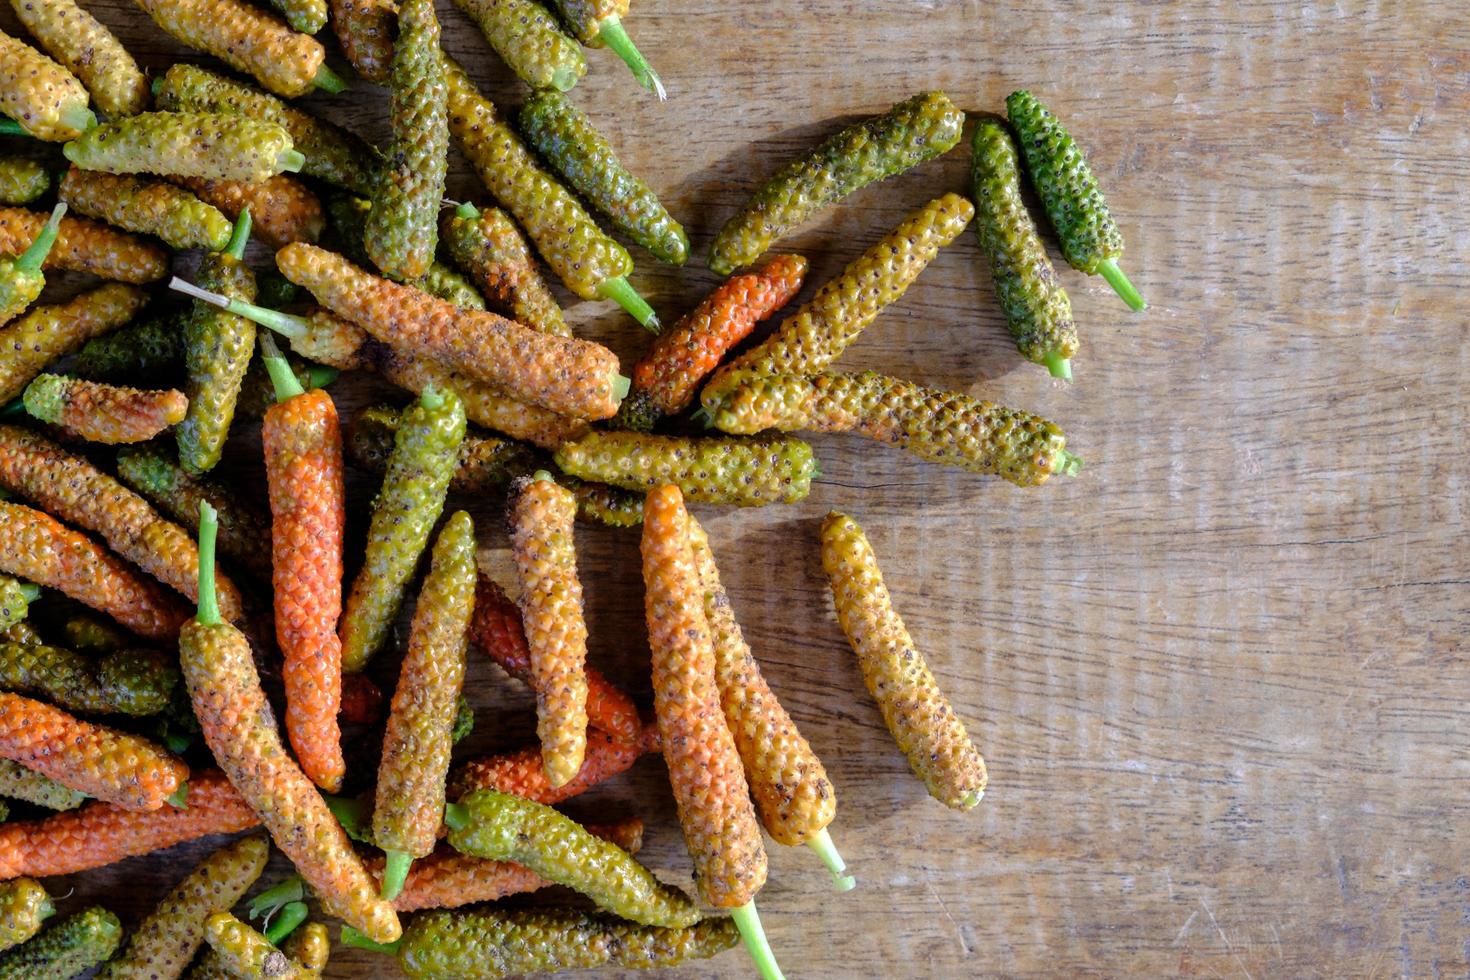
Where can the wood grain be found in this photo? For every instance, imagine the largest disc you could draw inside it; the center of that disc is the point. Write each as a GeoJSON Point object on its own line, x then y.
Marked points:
{"type": "Point", "coordinates": [1219, 678]}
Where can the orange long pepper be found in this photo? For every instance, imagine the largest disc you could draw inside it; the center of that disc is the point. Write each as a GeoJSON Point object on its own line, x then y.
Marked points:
{"type": "Point", "coordinates": [520, 772]}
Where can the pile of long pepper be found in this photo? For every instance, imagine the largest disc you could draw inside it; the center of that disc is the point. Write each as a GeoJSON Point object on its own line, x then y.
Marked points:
{"type": "Point", "coordinates": [150, 718]}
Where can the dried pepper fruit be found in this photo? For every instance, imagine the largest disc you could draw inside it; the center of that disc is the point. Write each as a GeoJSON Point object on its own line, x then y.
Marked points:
{"type": "Point", "coordinates": [713, 799]}
{"type": "Point", "coordinates": [940, 426]}
{"type": "Point", "coordinates": [364, 28]}
{"type": "Point", "coordinates": [21, 632]}
{"type": "Point", "coordinates": [408, 504]}
{"type": "Point", "coordinates": [258, 394]}
{"type": "Point", "coordinates": [917, 713]}
{"type": "Point", "coordinates": [487, 245]}
{"type": "Point", "coordinates": [599, 22]}
{"type": "Point", "coordinates": [186, 144]}
{"type": "Point", "coordinates": [234, 950]}
{"type": "Point", "coordinates": [665, 380]}
{"type": "Point", "coordinates": [565, 137]}
{"type": "Point", "coordinates": [249, 40]}
{"type": "Point", "coordinates": [44, 98]}
{"type": "Point", "coordinates": [590, 263]}
{"type": "Point", "coordinates": [1037, 309]}
{"type": "Point", "coordinates": [15, 599]}
{"type": "Point", "coordinates": [282, 209]}
{"type": "Point", "coordinates": [217, 349]}
{"type": "Point", "coordinates": [36, 547]}
{"type": "Point", "coordinates": [151, 347]}
{"type": "Point", "coordinates": [306, 16]}
{"type": "Point", "coordinates": [349, 221]}
{"type": "Point", "coordinates": [744, 472]}
{"type": "Point", "coordinates": [21, 279]}
{"type": "Point", "coordinates": [126, 682]}
{"type": "Point", "coordinates": [520, 772]}
{"type": "Point", "coordinates": [450, 286]}
{"type": "Point", "coordinates": [72, 946]}
{"type": "Point", "coordinates": [101, 412]}
{"type": "Point", "coordinates": [415, 762]}
{"type": "Point", "coordinates": [74, 490]}
{"type": "Point", "coordinates": [302, 442]}
{"type": "Point", "coordinates": [501, 827]}
{"type": "Point", "coordinates": [149, 207]}
{"type": "Point", "coordinates": [541, 517]}
{"type": "Point", "coordinates": [793, 795]}
{"type": "Point", "coordinates": [915, 130]}
{"type": "Point", "coordinates": [165, 941]}
{"type": "Point", "coordinates": [101, 833]}
{"type": "Point", "coordinates": [574, 377]}
{"type": "Point", "coordinates": [309, 947]}
{"type": "Point", "coordinates": [243, 952]}
{"type": "Point", "coordinates": [86, 246]}
{"type": "Point", "coordinates": [48, 333]}
{"type": "Point", "coordinates": [103, 763]}
{"type": "Point", "coordinates": [88, 634]}
{"type": "Point", "coordinates": [332, 154]}
{"type": "Point", "coordinates": [24, 906]}
{"type": "Point", "coordinates": [403, 226]}
{"type": "Point", "coordinates": [240, 729]}
{"type": "Point", "coordinates": [22, 180]}
{"type": "Point", "coordinates": [529, 40]}
{"type": "Point", "coordinates": [244, 530]}
{"type": "Point", "coordinates": [89, 51]}
{"type": "Point", "coordinates": [486, 463]}
{"type": "Point", "coordinates": [20, 783]}
{"type": "Point", "coordinates": [491, 943]}
{"type": "Point", "coordinates": [823, 328]}
{"type": "Point", "coordinates": [1091, 241]}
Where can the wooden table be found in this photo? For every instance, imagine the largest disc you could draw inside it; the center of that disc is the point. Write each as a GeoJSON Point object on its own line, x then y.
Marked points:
{"type": "Point", "coordinates": [1218, 677]}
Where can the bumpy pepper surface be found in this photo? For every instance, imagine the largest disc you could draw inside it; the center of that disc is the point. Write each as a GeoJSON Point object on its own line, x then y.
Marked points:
{"type": "Point", "coordinates": [349, 222]}
{"type": "Point", "coordinates": [306, 16]}
{"type": "Point", "coordinates": [246, 38]}
{"type": "Point", "coordinates": [103, 763]}
{"type": "Point", "coordinates": [186, 144]}
{"type": "Point", "coordinates": [541, 516]}
{"type": "Point", "coordinates": [573, 377]}
{"type": "Point", "coordinates": [48, 333]}
{"type": "Point", "coordinates": [218, 346]}
{"type": "Point", "coordinates": [24, 906]}
{"type": "Point", "coordinates": [240, 729]}
{"type": "Point", "coordinates": [309, 947]}
{"type": "Point", "coordinates": [243, 952]}
{"type": "Point", "coordinates": [149, 207]}
{"type": "Point", "coordinates": [86, 246]}
{"type": "Point", "coordinates": [565, 137]}
{"type": "Point", "coordinates": [89, 51]}
{"type": "Point", "coordinates": [332, 154]}
{"type": "Point", "coordinates": [36, 547]}
{"type": "Point", "coordinates": [419, 735]}
{"type": "Point", "coordinates": [282, 208]}
{"type": "Point", "coordinates": [1091, 241]}
{"type": "Point", "coordinates": [493, 943]}
{"type": "Point", "coordinates": [665, 380]}
{"type": "Point", "coordinates": [599, 22]}
{"type": "Point", "coordinates": [101, 412]}
{"type": "Point", "coordinates": [744, 472]}
{"type": "Point", "coordinates": [88, 634]}
{"type": "Point", "coordinates": [488, 246]}
{"type": "Point", "coordinates": [19, 783]}
{"type": "Point", "coordinates": [830, 321]}
{"type": "Point", "coordinates": [565, 235]}
{"type": "Point", "coordinates": [408, 505]}
{"type": "Point", "coordinates": [911, 132]}
{"type": "Point", "coordinates": [100, 833]}
{"type": "Point", "coordinates": [917, 713]}
{"type": "Point", "coordinates": [451, 286]}
{"type": "Point", "coordinates": [15, 599]}
{"type": "Point", "coordinates": [529, 40]}
{"type": "Point", "coordinates": [486, 463]}
{"type": "Point", "coordinates": [713, 798]}
{"type": "Point", "coordinates": [403, 226]}
{"type": "Point", "coordinates": [940, 426]}
{"type": "Point", "coordinates": [22, 180]}
{"type": "Point", "coordinates": [72, 946]}
{"type": "Point", "coordinates": [244, 530]}
{"type": "Point", "coordinates": [126, 682]}
{"type": "Point", "coordinates": [302, 443]}
{"type": "Point", "coordinates": [163, 944]}
{"type": "Point", "coordinates": [1037, 309]}
{"type": "Point", "coordinates": [45, 98]}
{"type": "Point", "coordinates": [21, 279]}
{"type": "Point", "coordinates": [502, 827]}
{"type": "Point", "coordinates": [364, 28]}
{"type": "Point", "coordinates": [74, 490]}
{"type": "Point", "coordinates": [520, 772]}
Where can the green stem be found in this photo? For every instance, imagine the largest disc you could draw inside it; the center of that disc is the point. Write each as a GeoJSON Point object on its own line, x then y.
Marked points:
{"type": "Point", "coordinates": [621, 386]}
{"type": "Point", "coordinates": [395, 873]}
{"type": "Point", "coordinates": [208, 530]}
{"type": "Point", "coordinates": [239, 236]}
{"type": "Point", "coordinates": [971, 798]}
{"type": "Point", "coordinates": [30, 260]}
{"type": "Point", "coordinates": [827, 851]}
{"type": "Point", "coordinates": [30, 591]}
{"type": "Point", "coordinates": [319, 375]}
{"type": "Point", "coordinates": [352, 814]}
{"type": "Point", "coordinates": [79, 118]}
{"type": "Point", "coordinates": [1059, 366]}
{"type": "Point", "coordinates": [179, 798]}
{"type": "Point", "coordinates": [620, 291]}
{"type": "Point", "coordinates": [9, 127]}
{"type": "Point", "coordinates": [288, 326]}
{"type": "Point", "coordinates": [1121, 285]}
{"type": "Point", "coordinates": [351, 937]}
{"type": "Point", "coordinates": [565, 79]}
{"type": "Point", "coordinates": [1068, 464]}
{"type": "Point", "coordinates": [276, 897]}
{"type": "Point", "coordinates": [292, 915]}
{"type": "Point", "coordinates": [543, 475]}
{"type": "Point", "coordinates": [610, 29]}
{"type": "Point", "coordinates": [754, 936]}
{"type": "Point", "coordinates": [430, 399]}
{"type": "Point", "coordinates": [456, 817]}
{"type": "Point", "coordinates": [329, 81]}
{"type": "Point", "coordinates": [467, 211]}
{"type": "Point", "coordinates": [14, 409]}
{"type": "Point", "coordinates": [178, 743]}
{"type": "Point", "coordinates": [283, 379]}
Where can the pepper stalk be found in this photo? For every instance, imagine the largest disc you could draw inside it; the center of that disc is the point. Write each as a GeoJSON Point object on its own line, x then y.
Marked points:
{"type": "Point", "coordinates": [611, 30]}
